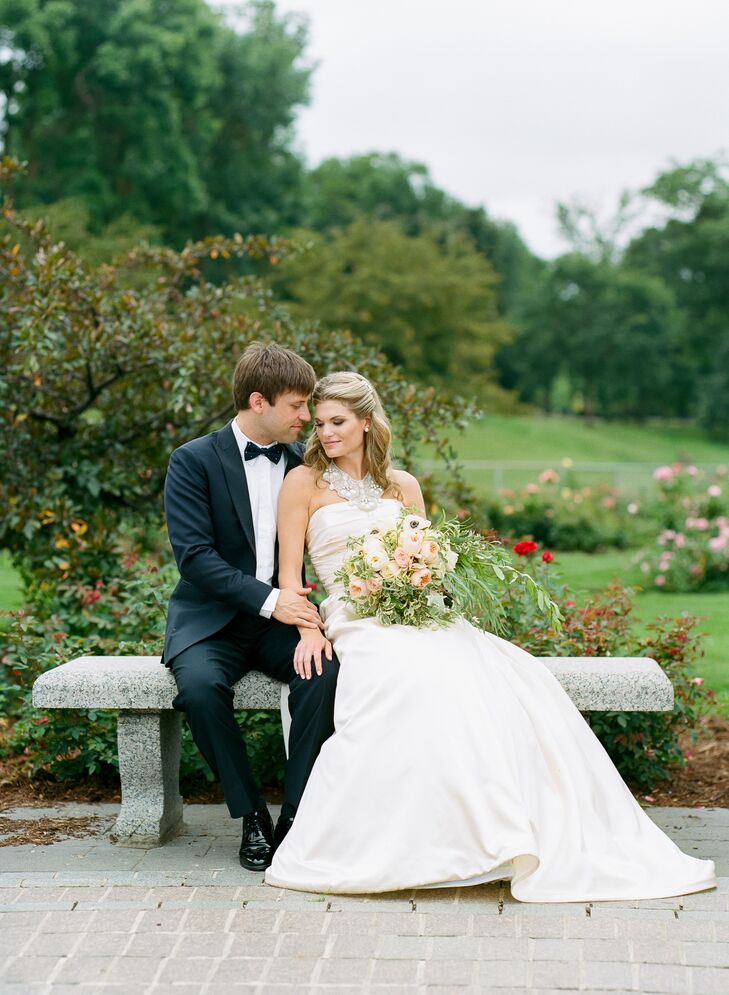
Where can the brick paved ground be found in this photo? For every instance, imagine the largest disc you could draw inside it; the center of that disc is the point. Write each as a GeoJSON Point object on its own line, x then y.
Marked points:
{"type": "Point", "coordinates": [85, 916]}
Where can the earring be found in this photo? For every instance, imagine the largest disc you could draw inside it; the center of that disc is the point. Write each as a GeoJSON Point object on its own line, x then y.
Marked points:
{"type": "Point", "coordinates": [367, 428]}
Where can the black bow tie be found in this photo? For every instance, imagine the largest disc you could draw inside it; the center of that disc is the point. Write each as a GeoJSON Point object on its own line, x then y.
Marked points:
{"type": "Point", "coordinates": [271, 452]}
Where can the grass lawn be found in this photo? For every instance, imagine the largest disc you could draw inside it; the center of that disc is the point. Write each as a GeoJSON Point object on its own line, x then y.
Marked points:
{"type": "Point", "coordinates": [586, 572]}
{"type": "Point", "coordinates": [547, 440]}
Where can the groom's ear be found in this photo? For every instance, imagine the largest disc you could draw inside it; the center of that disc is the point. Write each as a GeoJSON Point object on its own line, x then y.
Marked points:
{"type": "Point", "coordinates": [256, 402]}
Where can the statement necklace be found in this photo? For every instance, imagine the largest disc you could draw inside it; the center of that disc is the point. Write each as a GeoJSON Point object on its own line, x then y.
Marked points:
{"type": "Point", "coordinates": [364, 494]}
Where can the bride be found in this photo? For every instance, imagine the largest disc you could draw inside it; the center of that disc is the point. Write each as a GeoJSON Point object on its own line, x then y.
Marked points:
{"type": "Point", "coordinates": [457, 757]}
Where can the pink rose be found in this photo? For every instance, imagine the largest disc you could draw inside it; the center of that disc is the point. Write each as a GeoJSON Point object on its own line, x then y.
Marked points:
{"type": "Point", "coordinates": [421, 578]}
{"type": "Point", "coordinates": [717, 543]}
{"type": "Point", "coordinates": [401, 558]}
{"type": "Point", "coordinates": [373, 584]}
{"type": "Point", "coordinates": [357, 587]}
{"type": "Point", "coordinates": [663, 473]}
{"type": "Point", "coordinates": [714, 490]}
{"type": "Point", "coordinates": [660, 580]}
{"type": "Point", "coordinates": [698, 681]}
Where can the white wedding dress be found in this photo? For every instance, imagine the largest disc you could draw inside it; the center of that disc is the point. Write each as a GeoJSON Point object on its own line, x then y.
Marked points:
{"type": "Point", "coordinates": [458, 759]}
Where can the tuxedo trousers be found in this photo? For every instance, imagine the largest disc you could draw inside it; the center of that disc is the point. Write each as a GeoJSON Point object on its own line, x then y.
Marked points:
{"type": "Point", "coordinates": [205, 674]}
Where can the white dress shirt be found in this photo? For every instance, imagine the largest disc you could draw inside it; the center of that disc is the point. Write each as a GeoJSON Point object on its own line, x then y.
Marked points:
{"type": "Point", "coordinates": [264, 480]}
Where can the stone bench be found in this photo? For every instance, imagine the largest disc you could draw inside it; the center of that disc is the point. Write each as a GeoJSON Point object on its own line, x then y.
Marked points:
{"type": "Point", "coordinates": [149, 729]}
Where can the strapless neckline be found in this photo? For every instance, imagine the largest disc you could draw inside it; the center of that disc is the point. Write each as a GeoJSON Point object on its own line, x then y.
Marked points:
{"type": "Point", "coordinates": [348, 504]}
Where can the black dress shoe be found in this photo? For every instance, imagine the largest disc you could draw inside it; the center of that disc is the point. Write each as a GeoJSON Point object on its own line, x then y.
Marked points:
{"type": "Point", "coordinates": [256, 849]}
{"type": "Point", "coordinates": [283, 825]}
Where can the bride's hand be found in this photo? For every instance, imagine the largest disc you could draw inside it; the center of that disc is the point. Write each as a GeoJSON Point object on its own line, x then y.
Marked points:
{"type": "Point", "coordinates": [309, 650]}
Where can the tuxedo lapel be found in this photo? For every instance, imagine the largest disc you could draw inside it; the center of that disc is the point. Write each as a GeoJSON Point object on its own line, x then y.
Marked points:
{"type": "Point", "coordinates": [235, 477]}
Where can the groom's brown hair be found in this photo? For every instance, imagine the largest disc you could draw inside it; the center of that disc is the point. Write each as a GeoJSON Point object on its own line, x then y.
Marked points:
{"type": "Point", "coordinates": [271, 370]}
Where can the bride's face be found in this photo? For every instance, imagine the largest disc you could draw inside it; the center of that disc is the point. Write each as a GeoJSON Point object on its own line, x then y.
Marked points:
{"type": "Point", "coordinates": [340, 430]}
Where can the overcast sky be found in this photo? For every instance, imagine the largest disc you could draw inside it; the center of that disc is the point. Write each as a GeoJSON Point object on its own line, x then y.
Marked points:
{"type": "Point", "coordinates": [521, 103]}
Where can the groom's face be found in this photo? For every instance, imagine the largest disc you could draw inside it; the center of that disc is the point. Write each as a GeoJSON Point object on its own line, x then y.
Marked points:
{"type": "Point", "coordinates": [284, 419]}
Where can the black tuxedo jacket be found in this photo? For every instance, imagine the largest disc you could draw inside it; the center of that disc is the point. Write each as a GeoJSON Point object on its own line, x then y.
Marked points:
{"type": "Point", "coordinates": [210, 526]}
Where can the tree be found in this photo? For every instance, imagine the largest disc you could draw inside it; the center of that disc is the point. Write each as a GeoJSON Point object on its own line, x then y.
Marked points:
{"type": "Point", "coordinates": [154, 109]}
{"type": "Point", "coordinates": [611, 333]}
{"type": "Point", "coordinates": [431, 308]}
{"type": "Point", "coordinates": [689, 251]}
{"type": "Point", "coordinates": [385, 187]}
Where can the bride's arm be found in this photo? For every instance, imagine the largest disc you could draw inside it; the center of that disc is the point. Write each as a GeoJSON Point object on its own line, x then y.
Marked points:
{"type": "Point", "coordinates": [293, 518]}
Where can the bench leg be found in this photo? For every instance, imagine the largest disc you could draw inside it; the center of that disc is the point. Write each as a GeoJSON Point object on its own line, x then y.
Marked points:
{"type": "Point", "coordinates": [149, 765]}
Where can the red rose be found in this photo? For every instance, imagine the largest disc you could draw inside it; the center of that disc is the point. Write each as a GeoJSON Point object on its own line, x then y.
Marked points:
{"type": "Point", "coordinates": [524, 547]}
{"type": "Point", "coordinates": [547, 557]}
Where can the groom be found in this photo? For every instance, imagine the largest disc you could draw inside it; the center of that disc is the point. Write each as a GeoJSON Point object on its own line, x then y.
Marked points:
{"type": "Point", "coordinates": [226, 616]}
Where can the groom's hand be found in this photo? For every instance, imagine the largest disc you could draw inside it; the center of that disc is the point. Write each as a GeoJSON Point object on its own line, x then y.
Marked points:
{"type": "Point", "coordinates": [294, 608]}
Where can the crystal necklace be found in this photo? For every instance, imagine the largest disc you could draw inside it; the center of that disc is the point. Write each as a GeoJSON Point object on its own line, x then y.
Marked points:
{"type": "Point", "coordinates": [364, 494]}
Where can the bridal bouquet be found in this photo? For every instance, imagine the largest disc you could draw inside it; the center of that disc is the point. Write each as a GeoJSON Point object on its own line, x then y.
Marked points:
{"type": "Point", "coordinates": [426, 575]}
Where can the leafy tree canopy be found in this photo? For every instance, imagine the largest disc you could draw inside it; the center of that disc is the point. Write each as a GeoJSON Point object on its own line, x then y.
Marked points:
{"type": "Point", "coordinates": [154, 109]}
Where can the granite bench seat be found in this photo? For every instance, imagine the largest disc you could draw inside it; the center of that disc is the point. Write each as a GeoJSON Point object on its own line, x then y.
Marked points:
{"type": "Point", "coordinates": [149, 730]}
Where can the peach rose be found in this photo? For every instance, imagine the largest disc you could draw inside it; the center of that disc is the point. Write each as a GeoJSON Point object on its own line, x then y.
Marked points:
{"type": "Point", "coordinates": [429, 551]}
{"type": "Point", "coordinates": [411, 541]}
{"type": "Point", "coordinates": [421, 578]}
{"type": "Point", "coordinates": [357, 587]}
{"type": "Point", "coordinates": [373, 584]}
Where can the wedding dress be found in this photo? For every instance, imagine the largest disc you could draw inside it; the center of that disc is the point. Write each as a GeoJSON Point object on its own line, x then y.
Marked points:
{"type": "Point", "coordinates": [458, 759]}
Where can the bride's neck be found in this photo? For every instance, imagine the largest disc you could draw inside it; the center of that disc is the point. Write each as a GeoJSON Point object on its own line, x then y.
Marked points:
{"type": "Point", "coordinates": [353, 466]}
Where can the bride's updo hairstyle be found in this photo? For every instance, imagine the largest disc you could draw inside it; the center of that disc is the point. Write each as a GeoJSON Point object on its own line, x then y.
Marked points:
{"type": "Point", "coordinates": [356, 393]}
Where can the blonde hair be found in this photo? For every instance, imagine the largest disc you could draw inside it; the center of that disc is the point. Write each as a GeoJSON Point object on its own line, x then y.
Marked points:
{"type": "Point", "coordinates": [356, 393]}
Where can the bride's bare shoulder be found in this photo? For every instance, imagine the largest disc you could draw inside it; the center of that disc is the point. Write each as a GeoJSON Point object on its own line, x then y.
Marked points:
{"type": "Point", "coordinates": [300, 480]}
{"type": "Point", "coordinates": [408, 487]}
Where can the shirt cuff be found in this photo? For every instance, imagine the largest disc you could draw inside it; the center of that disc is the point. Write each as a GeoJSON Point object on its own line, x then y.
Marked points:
{"type": "Point", "coordinates": [269, 605]}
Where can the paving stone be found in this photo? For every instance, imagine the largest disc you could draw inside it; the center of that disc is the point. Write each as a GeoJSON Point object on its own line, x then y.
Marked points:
{"type": "Point", "coordinates": [438, 924]}
{"type": "Point", "coordinates": [607, 976]}
{"type": "Point", "coordinates": [668, 978]}
{"type": "Point", "coordinates": [504, 948]}
{"type": "Point", "coordinates": [502, 974]}
{"type": "Point", "coordinates": [343, 947]}
{"type": "Point", "coordinates": [555, 974]}
{"type": "Point", "coordinates": [395, 972]}
{"type": "Point", "coordinates": [590, 927]}
{"type": "Point", "coordinates": [246, 921]}
{"type": "Point", "coordinates": [33, 969]}
{"type": "Point", "coordinates": [79, 969]}
{"type": "Point", "coordinates": [134, 969]}
{"type": "Point", "coordinates": [599, 949]}
{"type": "Point", "coordinates": [397, 923]}
{"type": "Point", "coordinates": [290, 970]}
{"type": "Point", "coordinates": [657, 951]}
{"type": "Point", "coordinates": [352, 922]}
{"type": "Point", "coordinates": [301, 945]}
{"type": "Point", "coordinates": [493, 925]}
{"type": "Point", "coordinates": [151, 944]}
{"type": "Point", "coordinates": [543, 926]}
{"type": "Point", "coordinates": [196, 969]}
{"type": "Point", "coordinates": [710, 980]}
{"type": "Point", "coordinates": [403, 947]}
{"type": "Point", "coordinates": [239, 970]}
{"type": "Point", "coordinates": [201, 944]}
{"type": "Point", "coordinates": [706, 954]}
{"type": "Point", "coordinates": [116, 921]}
{"type": "Point", "coordinates": [543, 948]}
{"type": "Point", "coordinates": [449, 972]}
{"type": "Point", "coordinates": [456, 947]}
{"type": "Point", "coordinates": [345, 972]}
{"type": "Point", "coordinates": [252, 945]}
{"type": "Point", "coordinates": [96, 944]}
{"type": "Point", "coordinates": [15, 940]}
{"type": "Point", "coordinates": [302, 922]}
